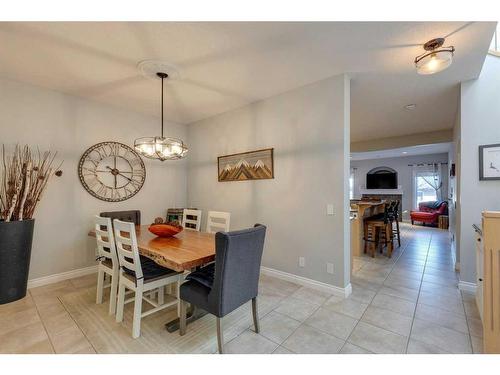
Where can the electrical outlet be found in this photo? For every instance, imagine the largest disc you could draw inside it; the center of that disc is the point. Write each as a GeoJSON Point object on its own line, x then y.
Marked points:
{"type": "Point", "coordinates": [329, 209]}
{"type": "Point", "coordinates": [329, 268]}
{"type": "Point", "coordinates": [302, 262]}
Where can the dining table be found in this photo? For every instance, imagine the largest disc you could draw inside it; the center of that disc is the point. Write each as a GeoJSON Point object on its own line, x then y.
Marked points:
{"type": "Point", "coordinates": [183, 252]}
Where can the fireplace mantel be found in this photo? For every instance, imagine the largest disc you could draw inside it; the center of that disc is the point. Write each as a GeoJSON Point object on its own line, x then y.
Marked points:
{"type": "Point", "coordinates": [385, 194]}
{"type": "Point", "coordinates": [381, 191]}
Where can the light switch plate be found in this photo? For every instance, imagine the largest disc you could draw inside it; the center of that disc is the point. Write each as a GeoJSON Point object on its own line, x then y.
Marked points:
{"type": "Point", "coordinates": [302, 262]}
{"type": "Point", "coordinates": [329, 209]}
{"type": "Point", "coordinates": [329, 268]}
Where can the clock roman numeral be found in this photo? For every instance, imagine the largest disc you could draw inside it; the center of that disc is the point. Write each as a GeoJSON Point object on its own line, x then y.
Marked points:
{"type": "Point", "coordinates": [138, 173]}
{"type": "Point", "coordinates": [128, 191]}
{"type": "Point", "coordinates": [90, 172]}
{"type": "Point", "coordinates": [114, 149]}
{"type": "Point", "coordinates": [115, 194]}
{"type": "Point", "coordinates": [134, 183]}
{"type": "Point", "coordinates": [101, 151]}
{"type": "Point", "coordinates": [137, 179]}
{"type": "Point", "coordinates": [92, 182]}
{"type": "Point", "coordinates": [95, 162]}
{"type": "Point", "coordinates": [135, 162]}
{"type": "Point", "coordinates": [129, 154]}
{"type": "Point", "coordinates": [103, 190]}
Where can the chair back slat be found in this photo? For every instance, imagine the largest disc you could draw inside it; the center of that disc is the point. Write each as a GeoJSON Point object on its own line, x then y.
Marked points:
{"type": "Point", "coordinates": [124, 239]}
{"type": "Point", "coordinates": [126, 247]}
{"type": "Point", "coordinates": [105, 240]}
{"type": "Point", "coordinates": [396, 209]}
{"type": "Point", "coordinates": [237, 268]}
{"type": "Point", "coordinates": [218, 221]}
{"type": "Point", "coordinates": [187, 219]}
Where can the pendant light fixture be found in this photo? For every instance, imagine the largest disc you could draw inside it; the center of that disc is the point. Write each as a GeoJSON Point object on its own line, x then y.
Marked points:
{"type": "Point", "coordinates": [161, 148]}
{"type": "Point", "coordinates": [436, 59]}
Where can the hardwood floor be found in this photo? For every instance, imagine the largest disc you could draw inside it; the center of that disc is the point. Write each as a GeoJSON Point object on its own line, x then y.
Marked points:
{"type": "Point", "coordinates": [407, 304]}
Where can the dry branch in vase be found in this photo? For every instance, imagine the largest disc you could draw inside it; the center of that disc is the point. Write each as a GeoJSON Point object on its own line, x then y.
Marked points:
{"type": "Point", "coordinates": [23, 178]}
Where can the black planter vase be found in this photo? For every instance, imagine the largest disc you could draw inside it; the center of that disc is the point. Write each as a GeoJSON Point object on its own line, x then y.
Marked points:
{"type": "Point", "coordinates": [15, 254]}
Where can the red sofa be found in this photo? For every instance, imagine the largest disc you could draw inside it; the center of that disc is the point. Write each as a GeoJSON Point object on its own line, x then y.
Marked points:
{"type": "Point", "coordinates": [429, 212]}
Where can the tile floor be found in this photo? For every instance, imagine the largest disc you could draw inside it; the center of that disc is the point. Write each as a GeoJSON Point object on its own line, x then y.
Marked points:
{"type": "Point", "coordinates": [407, 304]}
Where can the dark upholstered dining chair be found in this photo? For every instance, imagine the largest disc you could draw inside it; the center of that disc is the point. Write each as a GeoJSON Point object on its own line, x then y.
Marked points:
{"type": "Point", "coordinates": [230, 282]}
{"type": "Point", "coordinates": [132, 216]}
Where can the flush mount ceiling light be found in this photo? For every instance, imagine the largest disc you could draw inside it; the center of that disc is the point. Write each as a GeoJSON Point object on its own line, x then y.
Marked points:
{"type": "Point", "coordinates": [436, 59]}
{"type": "Point", "coordinates": [161, 148]}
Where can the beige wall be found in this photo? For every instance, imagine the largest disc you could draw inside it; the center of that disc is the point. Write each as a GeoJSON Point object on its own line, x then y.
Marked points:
{"type": "Point", "coordinates": [309, 130]}
{"type": "Point", "coordinates": [51, 120]}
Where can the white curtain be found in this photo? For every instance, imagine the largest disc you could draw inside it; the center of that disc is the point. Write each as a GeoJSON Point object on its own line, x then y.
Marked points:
{"type": "Point", "coordinates": [430, 175]}
{"type": "Point", "coordinates": [434, 180]}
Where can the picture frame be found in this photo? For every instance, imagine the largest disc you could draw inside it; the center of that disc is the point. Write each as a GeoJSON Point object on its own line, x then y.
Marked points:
{"type": "Point", "coordinates": [489, 162]}
{"type": "Point", "coordinates": [246, 166]}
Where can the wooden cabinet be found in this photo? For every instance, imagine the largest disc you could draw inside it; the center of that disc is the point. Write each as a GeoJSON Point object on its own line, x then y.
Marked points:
{"type": "Point", "coordinates": [491, 281]}
{"type": "Point", "coordinates": [479, 270]}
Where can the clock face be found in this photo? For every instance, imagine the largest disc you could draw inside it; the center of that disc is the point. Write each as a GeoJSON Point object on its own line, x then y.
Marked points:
{"type": "Point", "coordinates": [111, 171]}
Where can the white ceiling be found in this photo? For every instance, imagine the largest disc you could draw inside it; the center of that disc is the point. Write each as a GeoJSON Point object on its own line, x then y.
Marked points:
{"type": "Point", "coordinates": [436, 148]}
{"type": "Point", "coordinates": [227, 65]}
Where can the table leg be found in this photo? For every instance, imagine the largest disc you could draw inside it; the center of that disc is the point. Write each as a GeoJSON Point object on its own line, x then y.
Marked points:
{"type": "Point", "coordinates": [194, 313]}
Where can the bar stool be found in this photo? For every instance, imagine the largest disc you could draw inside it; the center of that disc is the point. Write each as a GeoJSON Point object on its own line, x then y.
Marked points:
{"type": "Point", "coordinates": [395, 218]}
{"type": "Point", "coordinates": [379, 230]}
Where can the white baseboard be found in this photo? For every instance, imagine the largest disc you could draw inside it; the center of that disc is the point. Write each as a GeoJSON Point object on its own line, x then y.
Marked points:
{"type": "Point", "coordinates": [45, 280]}
{"type": "Point", "coordinates": [454, 257]}
{"type": "Point", "coordinates": [313, 284]}
{"type": "Point", "coordinates": [467, 287]}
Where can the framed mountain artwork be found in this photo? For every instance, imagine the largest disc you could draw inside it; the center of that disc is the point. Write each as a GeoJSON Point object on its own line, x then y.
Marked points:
{"type": "Point", "coordinates": [252, 165]}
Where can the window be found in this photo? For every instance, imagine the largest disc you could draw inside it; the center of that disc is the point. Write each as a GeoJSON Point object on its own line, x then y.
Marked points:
{"type": "Point", "coordinates": [351, 184]}
{"type": "Point", "coordinates": [424, 191]}
{"type": "Point", "coordinates": [427, 183]}
{"type": "Point", "coordinates": [495, 42]}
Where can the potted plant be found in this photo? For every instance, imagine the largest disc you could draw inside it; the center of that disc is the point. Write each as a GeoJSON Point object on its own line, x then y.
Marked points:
{"type": "Point", "coordinates": [23, 178]}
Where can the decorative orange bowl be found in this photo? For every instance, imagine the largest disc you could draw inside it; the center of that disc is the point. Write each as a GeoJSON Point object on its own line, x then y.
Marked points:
{"type": "Point", "coordinates": [165, 230]}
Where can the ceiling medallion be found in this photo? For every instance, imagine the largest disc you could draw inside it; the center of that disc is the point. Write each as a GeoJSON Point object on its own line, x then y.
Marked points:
{"type": "Point", "coordinates": [150, 68]}
{"type": "Point", "coordinates": [160, 147]}
{"type": "Point", "coordinates": [436, 58]}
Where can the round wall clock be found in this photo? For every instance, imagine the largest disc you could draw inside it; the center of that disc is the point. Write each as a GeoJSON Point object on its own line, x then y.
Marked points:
{"type": "Point", "coordinates": [111, 171]}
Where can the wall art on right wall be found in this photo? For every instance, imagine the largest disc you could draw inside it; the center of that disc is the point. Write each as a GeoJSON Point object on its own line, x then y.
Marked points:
{"type": "Point", "coordinates": [489, 162]}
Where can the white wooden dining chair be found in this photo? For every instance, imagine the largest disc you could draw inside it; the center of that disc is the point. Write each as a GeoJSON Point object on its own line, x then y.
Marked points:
{"type": "Point", "coordinates": [190, 223]}
{"type": "Point", "coordinates": [108, 261]}
{"type": "Point", "coordinates": [140, 275]}
{"type": "Point", "coordinates": [218, 221]}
